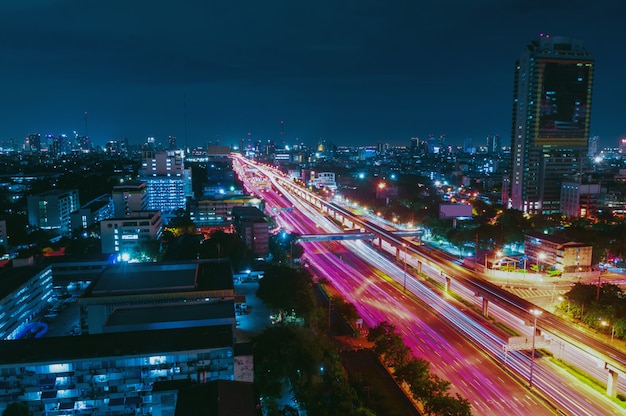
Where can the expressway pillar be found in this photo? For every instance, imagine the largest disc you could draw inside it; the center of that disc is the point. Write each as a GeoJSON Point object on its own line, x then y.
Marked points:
{"type": "Point", "coordinates": [611, 384]}
{"type": "Point", "coordinates": [419, 267]}
{"type": "Point", "coordinates": [447, 286]}
{"type": "Point", "coordinates": [397, 253]}
{"type": "Point", "coordinates": [485, 308]}
{"type": "Point", "coordinates": [380, 243]}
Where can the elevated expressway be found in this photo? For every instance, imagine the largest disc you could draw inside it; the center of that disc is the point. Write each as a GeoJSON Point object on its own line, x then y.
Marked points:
{"type": "Point", "coordinates": [610, 358]}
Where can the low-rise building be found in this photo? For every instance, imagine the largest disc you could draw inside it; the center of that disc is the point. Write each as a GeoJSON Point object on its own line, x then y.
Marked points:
{"type": "Point", "coordinates": [128, 198]}
{"type": "Point", "coordinates": [111, 373]}
{"type": "Point", "coordinates": [128, 234]}
{"type": "Point", "coordinates": [51, 210]}
{"type": "Point", "coordinates": [25, 293]}
{"type": "Point", "coordinates": [251, 224]}
{"type": "Point", "coordinates": [580, 199]}
{"type": "Point", "coordinates": [149, 284]}
{"type": "Point", "coordinates": [91, 213]}
{"type": "Point", "coordinates": [567, 256]}
{"type": "Point", "coordinates": [207, 212]}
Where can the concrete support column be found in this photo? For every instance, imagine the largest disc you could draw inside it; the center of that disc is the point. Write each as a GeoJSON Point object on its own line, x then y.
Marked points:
{"type": "Point", "coordinates": [397, 253]}
{"type": "Point", "coordinates": [485, 308]}
{"type": "Point", "coordinates": [419, 266]}
{"type": "Point", "coordinates": [447, 284]}
{"type": "Point", "coordinates": [611, 384]}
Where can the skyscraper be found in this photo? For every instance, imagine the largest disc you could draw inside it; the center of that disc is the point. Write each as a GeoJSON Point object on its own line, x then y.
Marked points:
{"type": "Point", "coordinates": [551, 118]}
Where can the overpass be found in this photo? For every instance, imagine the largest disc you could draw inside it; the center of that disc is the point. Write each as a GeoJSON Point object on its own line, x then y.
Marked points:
{"type": "Point", "coordinates": [335, 237]}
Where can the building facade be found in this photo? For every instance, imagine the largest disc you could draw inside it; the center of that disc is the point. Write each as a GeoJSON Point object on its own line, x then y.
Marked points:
{"type": "Point", "coordinates": [214, 211]}
{"type": "Point", "coordinates": [168, 182]}
{"type": "Point", "coordinates": [580, 200]}
{"type": "Point", "coordinates": [128, 234]}
{"type": "Point", "coordinates": [91, 213]}
{"type": "Point", "coordinates": [128, 198]}
{"type": "Point", "coordinates": [550, 121]}
{"type": "Point", "coordinates": [111, 374]}
{"type": "Point", "coordinates": [51, 210]}
{"type": "Point", "coordinates": [550, 251]}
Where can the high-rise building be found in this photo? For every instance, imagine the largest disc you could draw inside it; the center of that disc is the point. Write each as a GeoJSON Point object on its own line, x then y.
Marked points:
{"type": "Point", "coordinates": [594, 146]}
{"type": "Point", "coordinates": [33, 142]}
{"type": "Point", "coordinates": [551, 118]}
{"type": "Point", "coordinates": [168, 183]}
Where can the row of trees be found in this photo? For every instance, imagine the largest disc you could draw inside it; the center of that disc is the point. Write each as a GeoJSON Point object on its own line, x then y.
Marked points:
{"type": "Point", "coordinates": [601, 307]}
{"type": "Point", "coordinates": [426, 388]}
{"type": "Point", "coordinates": [293, 360]}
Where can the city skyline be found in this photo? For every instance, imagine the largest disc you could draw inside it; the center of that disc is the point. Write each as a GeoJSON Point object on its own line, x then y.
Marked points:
{"type": "Point", "coordinates": [351, 74]}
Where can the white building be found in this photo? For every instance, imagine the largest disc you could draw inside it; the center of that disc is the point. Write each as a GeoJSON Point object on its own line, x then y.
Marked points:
{"type": "Point", "coordinates": [323, 180]}
{"type": "Point", "coordinates": [126, 235]}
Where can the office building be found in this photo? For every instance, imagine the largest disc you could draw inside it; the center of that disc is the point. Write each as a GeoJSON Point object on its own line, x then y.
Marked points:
{"type": "Point", "coordinates": [129, 198]}
{"type": "Point", "coordinates": [129, 235]}
{"type": "Point", "coordinates": [51, 210]}
{"type": "Point", "coordinates": [207, 212]}
{"type": "Point", "coordinates": [168, 182]}
{"type": "Point", "coordinates": [549, 251]}
{"type": "Point", "coordinates": [580, 199]}
{"type": "Point", "coordinates": [91, 213]}
{"type": "Point", "coordinates": [551, 120]}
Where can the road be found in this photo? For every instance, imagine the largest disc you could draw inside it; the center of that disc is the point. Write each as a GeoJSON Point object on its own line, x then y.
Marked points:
{"type": "Point", "coordinates": [461, 346]}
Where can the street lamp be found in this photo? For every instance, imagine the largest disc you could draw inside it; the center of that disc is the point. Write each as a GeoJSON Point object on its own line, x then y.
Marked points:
{"type": "Point", "coordinates": [542, 257]}
{"type": "Point", "coordinates": [561, 299]}
{"type": "Point", "coordinates": [536, 313]}
{"type": "Point", "coordinates": [404, 284]}
{"type": "Point", "coordinates": [605, 324]}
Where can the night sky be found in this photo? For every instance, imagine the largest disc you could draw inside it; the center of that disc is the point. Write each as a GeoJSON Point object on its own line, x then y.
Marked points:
{"type": "Point", "coordinates": [349, 71]}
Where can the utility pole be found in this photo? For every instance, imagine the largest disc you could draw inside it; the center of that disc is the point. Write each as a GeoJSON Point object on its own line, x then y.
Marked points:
{"type": "Point", "coordinates": [536, 313]}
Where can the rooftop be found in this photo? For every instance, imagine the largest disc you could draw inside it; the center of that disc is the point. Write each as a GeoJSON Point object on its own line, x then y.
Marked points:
{"type": "Point", "coordinates": [117, 344]}
{"type": "Point", "coordinates": [163, 277]}
{"type": "Point", "coordinates": [171, 315]}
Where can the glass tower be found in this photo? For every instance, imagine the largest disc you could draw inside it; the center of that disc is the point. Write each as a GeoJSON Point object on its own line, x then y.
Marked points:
{"type": "Point", "coordinates": [550, 123]}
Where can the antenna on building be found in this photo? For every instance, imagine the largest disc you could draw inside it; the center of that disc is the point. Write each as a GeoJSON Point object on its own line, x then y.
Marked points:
{"type": "Point", "coordinates": [282, 133]}
{"type": "Point", "coordinates": [86, 130]}
{"type": "Point", "coordinates": [185, 117]}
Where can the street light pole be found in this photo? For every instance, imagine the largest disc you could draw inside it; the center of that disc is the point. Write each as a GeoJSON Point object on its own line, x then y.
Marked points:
{"type": "Point", "coordinates": [404, 284]}
{"type": "Point", "coordinates": [536, 313]}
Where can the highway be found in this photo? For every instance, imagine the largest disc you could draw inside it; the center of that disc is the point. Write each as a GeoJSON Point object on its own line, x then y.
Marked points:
{"type": "Point", "coordinates": [467, 350]}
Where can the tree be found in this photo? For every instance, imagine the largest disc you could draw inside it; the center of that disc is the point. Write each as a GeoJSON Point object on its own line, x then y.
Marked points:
{"type": "Point", "coordinates": [17, 409]}
{"type": "Point", "coordinates": [285, 289]}
{"type": "Point", "coordinates": [414, 371]}
{"type": "Point", "coordinates": [448, 405]}
{"type": "Point", "coordinates": [225, 245]}
{"type": "Point", "coordinates": [388, 344]}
